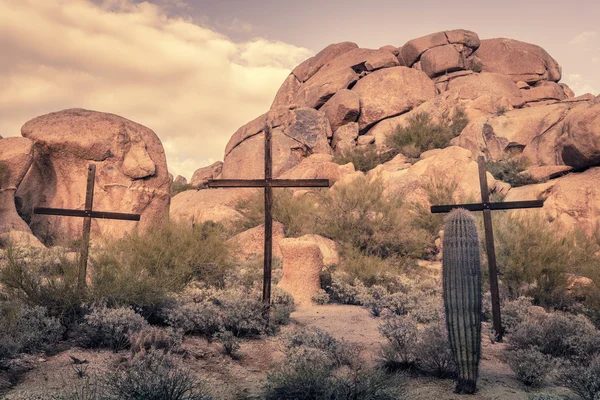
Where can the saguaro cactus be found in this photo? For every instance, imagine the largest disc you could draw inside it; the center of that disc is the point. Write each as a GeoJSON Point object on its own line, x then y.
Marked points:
{"type": "Point", "coordinates": [462, 296]}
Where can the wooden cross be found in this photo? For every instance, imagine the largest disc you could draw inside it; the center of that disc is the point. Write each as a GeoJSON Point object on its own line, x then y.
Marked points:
{"type": "Point", "coordinates": [87, 215]}
{"type": "Point", "coordinates": [268, 184]}
{"type": "Point", "coordinates": [487, 207]}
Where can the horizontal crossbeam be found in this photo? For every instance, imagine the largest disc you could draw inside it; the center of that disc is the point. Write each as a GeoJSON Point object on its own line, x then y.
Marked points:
{"type": "Point", "coordinates": [83, 213]}
{"type": "Point", "coordinates": [508, 205]}
{"type": "Point", "coordinates": [277, 183]}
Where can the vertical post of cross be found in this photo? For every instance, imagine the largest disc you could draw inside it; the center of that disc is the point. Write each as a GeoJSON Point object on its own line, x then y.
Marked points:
{"type": "Point", "coordinates": [268, 253]}
{"type": "Point", "coordinates": [87, 225]}
{"type": "Point", "coordinates": [490, 249]}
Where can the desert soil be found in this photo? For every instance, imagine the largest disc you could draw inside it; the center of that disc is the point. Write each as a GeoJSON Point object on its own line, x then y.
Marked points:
{"type": "Point", "coordinates": [241, 378]}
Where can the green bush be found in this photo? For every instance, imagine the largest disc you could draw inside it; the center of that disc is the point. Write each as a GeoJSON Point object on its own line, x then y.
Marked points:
{"type": "Point", "coordinates": [230, 343]}
{"type": "Point", "coordinates": [154, 376]}
{"type": "Point", "coordinates": [401, 333]}
{"type": "Point", "coordinates": [294, 212]}
{"type": "Point", "coordinates": [439, 191]}
{"type": "Point", "coordinates": [531, 366]}
{"type": "Point", "coordinates": [432, 351]}
{"type": "Point", "coordinates": [364, 158]}
{"type": "Point", "coordinates": [557, 334]}
{"type": "Point", "coordinates": [26, 329]}
{"type": "Point", "coordinates": [178, 187]}
{"type": "Point", "coordinates": [510, 171]}
{"type": "Point", "coordinates": [44, 279]}
{"type": "Point", "coordinates": [422, 134]}
{"type": "Point", "coordinates": [427, 309]}
{"type": "Point", "coordinates": [111, 327]}
{"type": "Point", "coordinates": [374, 299]}
{"type": "Point", "coordinates": [514, 313]}
{"type": "Point", "coordinates": [153, 338]}
{"type": "Point", "coordinates": [358, 215]}
{"type": "Point", "coordinates": [339, 352]}
{"type": "Point", "coordinates": [143, 270]}
{"type": "Point", "coordinates": [583, 379]}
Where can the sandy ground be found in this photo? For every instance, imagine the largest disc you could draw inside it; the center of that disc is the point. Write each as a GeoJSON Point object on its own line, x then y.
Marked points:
{"type": "Point", "coordinates": [242, 378]}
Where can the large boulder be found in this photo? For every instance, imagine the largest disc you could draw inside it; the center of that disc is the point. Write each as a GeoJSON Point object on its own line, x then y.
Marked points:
{"type": "Point", "coordinates": [131, 172]}
{"type": "Point", "coordinates": [202, 175]}
{"type": "Point", "coordinates": [579, 146]}
{"type": "Point", "coordinates": [295, 135]}
{"type": "Point", "coordinates": [570, 201]}
{"type": "Point", "coordinates": [475, 86]}
{"type": "Point", "coordinates": [319, 166]}
{"type": "Point", "coordinates": [194, 207]}
{"type": "Point", "coordinates": [302, 266]}
{"type": "Point", "coordinates": [342, 108]}
{"type": "Point", "coordinates": [519, 60]}
{"type": "Point", "coordinates": [312, 65]}
{"type": "Point", "coordinates": [391, 91]}
{"type": "Point", "coordinates": [411, 51]}
{"type": "Point", "coordinates": [251, 243]}
{"type": "Point", "coordinates": [16, 157]}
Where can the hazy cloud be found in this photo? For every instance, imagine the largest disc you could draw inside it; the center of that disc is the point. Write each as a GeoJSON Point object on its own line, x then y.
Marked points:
{"type": "Point", "coordinates": [580, 85]}
{"type": "Point", "coordinates": [193, 86]}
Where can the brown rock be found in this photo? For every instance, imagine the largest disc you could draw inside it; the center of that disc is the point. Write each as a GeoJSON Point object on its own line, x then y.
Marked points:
{"type": "Point", "coordinates": [327, 246]}
{"type": "Point", "coordinates": [323, 86]}
{"type": "Point", "coordinates": [302, 265]}
{"type": "Point", "coordinates": [195, 207]}
{"type": "Point", "coordinates": [523, 85]}
{"type": "Point", "coordinates": [546, 172]}
{"type": "Point", "coordinates": [477, 85]}
{"type": "Point", "coordinates": [579, 146]}
{"type": "Point", "coordinates": [202, 175]}
{"type": "Point", "coordinates": [297, 134]}
{"type": "Point", "coordinates": [16, 157]}
{"type": "Point", "coordinates": [544, 91]}
{"type": "Point", "coordinates": [319, 166]}
{"type": "Point", "coordinates": [251, 243]}
{"type": "Point", "coordinates": [570, 201]}
{"type": "Point", "coordinates": [342, 108]}
{"type": "Point", "coordinates": [381, 59]}
{"type": "Point", "coordinates": [131, 172]}
{"type": "Point", "coordinates": [413, 49]}
{"type": "Point", "coordinates": [389, 92]}
{"type": "Point", "coordinates": [365, 139]}
{"type": "Point", "coordinates": [570, 94]}
{"type": "Point", "coordinates": [584, 97]}
{"type": "Point", "coordinates": [392, 49]}
{"type": "Point", "coordinates": [345, 133]}
{"type": "Point", "coordinates": [252, 128]}
{"type": "Point", "coordinates": [287, 92]}
{"type": "Point", "coordinates": [180, 180]}
{"type": "Point", "coordinates": [311, 66]}
{"type": "Point", "coordinates": [442, 59]}
{"type": "Point", "coordinates": [521, 61]}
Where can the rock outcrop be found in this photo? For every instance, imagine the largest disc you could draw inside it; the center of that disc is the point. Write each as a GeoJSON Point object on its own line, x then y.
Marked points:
{"type": "Point", "coordinates": [251, 243]}
{"type": "Point", "coordinates": [16, 157]}
{"type": "Point", "coordinates": [202, 175]}
{"type": "Point", "coordinates": [131, 172]}
{"type": "Point", "coordinates": [302, 265]}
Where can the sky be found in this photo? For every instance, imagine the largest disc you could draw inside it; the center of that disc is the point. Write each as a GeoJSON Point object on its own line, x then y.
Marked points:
{"type": "Point", "coordinates": [194, 71]}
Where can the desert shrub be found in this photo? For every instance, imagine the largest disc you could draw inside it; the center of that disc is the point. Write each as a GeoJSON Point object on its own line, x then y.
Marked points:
{"type": "Point", "coordinates": [531, 366]}
{"type": "Point", "coordinates": [239, 312]}
{"type": "Point", "coordinates": [400, 303]}
{"type": "Point", "coordinates": [368, 384]}
{"type": "Point", "coordinates": [422, 134]}
{"type": "Point", "coordinates": [294, 212]}
{"type": "Point", "coordinates": [439, 191]}
{"type": "Point", "coordinates": [364, 158]}
{"type": "Point", "coordinates": [298, 382]}
{"type": "Point", "coordinates": [344, 290]}
{"type": "Point", "coordinates": [142, 270]}
{"type": "Point", "coordinates": [26, 329]}
{"type": "Point", "coordinates": [558, 335]}
{"type": "Point", "coordinates": [432, 351]}
{"type": "Point", "coordinates": [196, 318]}
{"type": "Point", "coordinates": [358, 215]}
{"type": "Point", "coordinates": [230, 343]}
{"type": "Point", "coordinates": [153, 338]}
{"type": "Point", "coordinates": [111, 327]}
{"type": "Point", "coordinates": [374, 299]}
{"type": "Point", "coordinates": [427, 309]}
{"type": "Point", "coordinates": [583, 379]}
{"type": "Point", "coordinates": [178, 187]}
{"type": "Point", "coordinates": [321, 297]}
{"type": "Point", "coordinates": [155, 376]}
{"type": "Point", "coordinates": [514, 312]}
{"type": "Point", "coordinates": [401, 333]}
{"type": "Point", "coordinates": [510, 171]}
{"type": "Point", "coordinates": [339, 352]}
{"type": "Point", "coordinates": [535, 258]}
{"type": "Point", "coordinates": [43, 279]}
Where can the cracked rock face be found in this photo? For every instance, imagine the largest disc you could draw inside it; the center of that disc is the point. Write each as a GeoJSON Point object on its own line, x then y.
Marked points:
{"type": "Point", "coordinates": [131, 173]}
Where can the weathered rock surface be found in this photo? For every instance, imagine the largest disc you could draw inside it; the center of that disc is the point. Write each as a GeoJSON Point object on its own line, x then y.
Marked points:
{"type": "Point", "coordinates": [131, 172]}
{"type": "Point", "coordinates": [295, 135]}
{"type": "Point", "coordinates": [327, 246]}
{"type": "Point", "coordinates": [442, 59]}
{"type": "Point", "coordinates": [342, 108]}
{"type": "Point", "coordinates": [302, 265]}
{"type": "Point", "coordinates": [413, 49]}
{"type": "Point", "coordinates": [16, 157]}
{"type": "Point", "coordinates": [202, 175]}
{"type": "Point", "coordinates": [195, 207]}
{"type": "Point", "coordinates": [319, 166]}
{"type": "Point", "coordinates": [571, 200]}
{"type": "Point", "coordinates": [251, 243]}
{"type": "Point", "coordinates": [579, 147]}
{"type": "Point", "coordinates": [311, 66]}
{"type": "Point", "coordinates": [389, 92]}
{"type": "Point", "coordinates": [519, 60]}
{"type": "Point", "coordinates": [181, 180]}
{"type": "Point", "coordinates": [344, 138]}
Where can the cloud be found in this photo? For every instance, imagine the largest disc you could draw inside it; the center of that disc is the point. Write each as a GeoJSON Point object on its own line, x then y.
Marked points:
{"type": "Point", "coordinates": [192, 85]}
{"type": "Point", "coordinates": [585, 38]}
{"type": "Point", "coordinates": [580, 86]}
